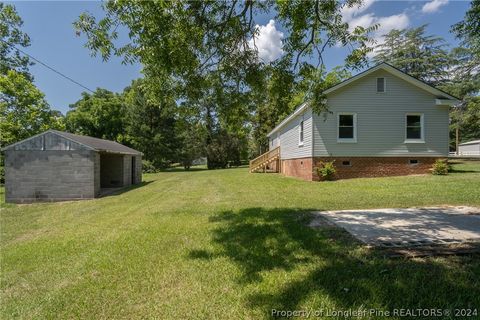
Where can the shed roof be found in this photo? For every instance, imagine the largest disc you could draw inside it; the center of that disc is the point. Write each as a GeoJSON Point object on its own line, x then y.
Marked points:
{"type": "Point", "coordinates": [470, 142]}
{"type": "Point", "coordinates": [96, 144]}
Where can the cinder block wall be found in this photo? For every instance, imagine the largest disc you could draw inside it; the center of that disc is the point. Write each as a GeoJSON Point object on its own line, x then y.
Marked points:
{"type": "Point", "coordinates": [96, 173]}
{"type": "Point", "coordinates": [50, 175]}
{"type": "Point", "coordinates": [127, 170]}
{"type": "Point", "coordinates": [138, 170]}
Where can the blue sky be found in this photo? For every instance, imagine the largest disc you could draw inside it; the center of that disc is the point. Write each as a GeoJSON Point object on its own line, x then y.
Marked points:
{"type": "Point", "coordinates": [54, 42]}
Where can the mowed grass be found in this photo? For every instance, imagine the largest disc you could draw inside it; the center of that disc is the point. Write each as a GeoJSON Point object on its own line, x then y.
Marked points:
{"type": "Point", "coordinates": [225, 244]}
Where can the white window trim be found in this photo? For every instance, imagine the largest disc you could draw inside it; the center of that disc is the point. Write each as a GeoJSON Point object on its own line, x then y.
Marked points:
{"type": "Point", "coordinates": [300, 142]}
{"type": "Point", "coordinates": [422, 131]}
{"type": "Point", "coordinates": [384, 84]}
{"type": "Point", "coordinates": [345, 140]}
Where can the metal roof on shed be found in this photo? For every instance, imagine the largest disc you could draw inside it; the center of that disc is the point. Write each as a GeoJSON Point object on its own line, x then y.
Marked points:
{"type": "Point", "coordinates": [96, 144]}
{"type": "Point", "coordinates": [470, 142]}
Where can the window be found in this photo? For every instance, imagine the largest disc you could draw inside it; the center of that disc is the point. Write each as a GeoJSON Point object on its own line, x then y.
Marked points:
{"type": "Point", "coordinates": [413, 161]}
{"type": "Point", "coordinates": [347, 131]}
{"type": "Point", "coordinates": [414, 127]}
{"type": "Point", "coordinates": [346, 163]}
{"type": "Point", "coordinates": [300, 133]}
{"type": "Point", "coordinates": [381, 85]}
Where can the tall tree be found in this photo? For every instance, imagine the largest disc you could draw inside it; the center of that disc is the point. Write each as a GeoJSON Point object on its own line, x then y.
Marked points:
{"type": "Point", "coordinates": [468, 31]}
{"type": "Point", "coordinates": [467, 57]}
{"type": "Point", "coordinates": [11, 35]}
{"type": "Point", "coordinates": [23, 109]}
{"type": "Point", "coordinates": [466, 82]}
{"type": "Point", "coordinates": [194, 41]}
{"type": "Point", "coordinates": [150, 122]}
{"type": "Point", "coordinates": [425, 57]}
{"type": "Point", "coordinates": [282, 94]}
{"type": "Point", "coordinates": [207, 50]}
{"type": "Point", "coordinates": [100, 115]}
{"type": "Point", "coordinates": [191, 139]}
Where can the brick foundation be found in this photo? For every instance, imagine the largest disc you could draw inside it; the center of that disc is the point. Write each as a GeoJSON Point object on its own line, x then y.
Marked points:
{"type": "Point", "coordinates": [359, 167]}
{"type": "Point", "coordinates": [300, 168]}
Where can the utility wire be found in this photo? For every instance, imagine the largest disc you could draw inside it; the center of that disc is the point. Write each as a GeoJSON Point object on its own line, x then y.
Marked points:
{"type": "Point", "coordinates": [47, 66]}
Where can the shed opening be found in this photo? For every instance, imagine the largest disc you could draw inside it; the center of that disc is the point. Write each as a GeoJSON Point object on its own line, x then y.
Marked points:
{"type": "Point", "coordinates": [111, 170]}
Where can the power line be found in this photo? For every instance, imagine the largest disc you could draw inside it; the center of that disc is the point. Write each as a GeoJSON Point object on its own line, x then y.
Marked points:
{"type": "Point", "coordinates": [48, 67]}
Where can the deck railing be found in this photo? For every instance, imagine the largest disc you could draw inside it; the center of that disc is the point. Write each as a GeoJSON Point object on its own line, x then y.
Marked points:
{"type": "Point", "coordinates": [264, 159]}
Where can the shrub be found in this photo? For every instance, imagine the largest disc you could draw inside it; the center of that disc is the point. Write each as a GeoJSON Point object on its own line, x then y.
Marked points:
{"type": "Point", "coordinates": [440, 167]}
{"type": "Point", "coordinates": [148, 167]}
{"type": "Point", "coordinates": [327, 170]}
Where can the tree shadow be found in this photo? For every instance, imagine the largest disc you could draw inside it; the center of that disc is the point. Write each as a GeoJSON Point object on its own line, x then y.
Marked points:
{"type": "Point", "coordinates": [455, 169]}
{"type": "Point", "coordinates": [199, 168]}
{"type": "Point", "coordinates": [182, 169]}
{"type": "Point", "coordinates": [328, 266]}
{"type": "Point", "coordinates": [463, 171]}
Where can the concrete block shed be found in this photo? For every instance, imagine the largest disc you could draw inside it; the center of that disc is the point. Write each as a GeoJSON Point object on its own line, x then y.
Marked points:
{"type": "Point", "coordinates": [56, 166]}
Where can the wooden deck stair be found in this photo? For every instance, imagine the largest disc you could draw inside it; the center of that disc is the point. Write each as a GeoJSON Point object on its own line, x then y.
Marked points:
{"type": "Point", "coordinates": [263, 162]}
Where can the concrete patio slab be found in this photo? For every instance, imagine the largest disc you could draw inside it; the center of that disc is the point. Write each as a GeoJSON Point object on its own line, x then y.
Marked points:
{"type": "Point", "coordinates": [407, 227]}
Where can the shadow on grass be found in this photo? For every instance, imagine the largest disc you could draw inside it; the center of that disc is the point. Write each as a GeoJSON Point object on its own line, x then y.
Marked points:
{"type": "Point", "coordinates": [107, 192]}
{"type": "Point", "coordinates": [463, 171]}
{"type": "Point", "coordinates": [456, 169]}
{"type": "Point", "coordinates": [182, 169]}
{"type": "Point", "coordinates": [199, 168]}
{"type": "Point", "coordinates": [328, 265]}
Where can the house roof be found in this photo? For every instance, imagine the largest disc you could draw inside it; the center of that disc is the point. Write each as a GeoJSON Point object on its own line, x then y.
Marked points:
{"type": "Point", "coordinates": [96, 144]}
{"type": "Point", "coordinates": [470, 142]}
{"type": "Point", "coordinates": [297, 111]}
{"type": "Point", "coordinates": [382, 66]}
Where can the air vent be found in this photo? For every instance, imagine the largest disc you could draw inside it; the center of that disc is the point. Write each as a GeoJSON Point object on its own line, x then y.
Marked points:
{"type": "Point", "coordinates": [380, 84]}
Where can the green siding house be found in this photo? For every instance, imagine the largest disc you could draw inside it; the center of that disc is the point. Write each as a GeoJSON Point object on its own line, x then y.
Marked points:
{"type": "Point", "coordinates": [381, 122]}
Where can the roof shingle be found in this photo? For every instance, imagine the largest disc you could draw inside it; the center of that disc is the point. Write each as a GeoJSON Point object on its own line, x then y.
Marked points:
{"type": "Point", "coordinates": [97, 144]}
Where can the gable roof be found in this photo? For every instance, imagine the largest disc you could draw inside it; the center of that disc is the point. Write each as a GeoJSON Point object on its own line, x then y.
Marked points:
{"type": "Point", "coordinates": [96, 144]}
{"type": "Point", "coordinates": [382, 66]}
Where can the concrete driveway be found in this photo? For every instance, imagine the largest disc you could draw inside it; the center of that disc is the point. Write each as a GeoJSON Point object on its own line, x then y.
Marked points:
{"type": "Point", "coordinates": [407, 227]}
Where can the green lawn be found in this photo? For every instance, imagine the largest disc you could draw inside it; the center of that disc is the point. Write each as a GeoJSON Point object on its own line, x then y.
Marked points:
{"type": "Point", "coordinates": [225, 244]}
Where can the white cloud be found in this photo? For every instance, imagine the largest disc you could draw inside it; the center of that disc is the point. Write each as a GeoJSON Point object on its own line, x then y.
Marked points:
{"type": "Point", "coordinates": [433, 6]}
{"type": "Point", "coordinates": [385, 24]}
{"type": "Point", "coordinates": [365, 21]}
{"type": "Point", "coordinates": [268, 42]}
{"type": "Point", "coordinates": [349, 13]}
{"type": "Point", "coordinates": [354, 17]}
{"type": "Point", "coordinates": [397, 21]}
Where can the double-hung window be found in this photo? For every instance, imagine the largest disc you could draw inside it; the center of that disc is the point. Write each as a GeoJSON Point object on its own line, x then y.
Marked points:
{"type": "Point", "coordinates": [414, 131]}
{"type": "Point", "coordinates": [347, 127]}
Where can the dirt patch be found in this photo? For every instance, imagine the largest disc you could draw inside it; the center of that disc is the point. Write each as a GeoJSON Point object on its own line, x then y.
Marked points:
{"type": "Point", "coordinates": [432, 250]}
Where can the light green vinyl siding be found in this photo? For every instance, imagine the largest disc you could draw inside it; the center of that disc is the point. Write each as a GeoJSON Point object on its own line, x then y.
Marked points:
{"type": "Point", "coordinates": [289, 137]}
{"type": "Point", "coordinates": [381, 120]}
